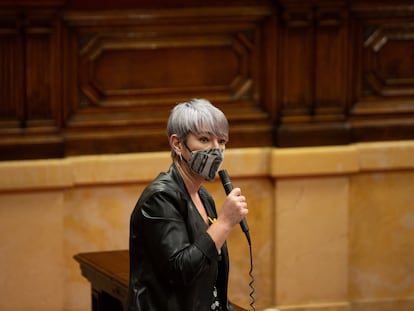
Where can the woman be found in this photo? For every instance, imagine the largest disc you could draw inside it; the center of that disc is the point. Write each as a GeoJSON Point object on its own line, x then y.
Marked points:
{"type": "Point", "coordinates": [178, 254]}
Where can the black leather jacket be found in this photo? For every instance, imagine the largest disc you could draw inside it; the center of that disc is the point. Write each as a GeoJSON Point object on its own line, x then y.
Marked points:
{"type": "Point", "coordinates": [174, 263]}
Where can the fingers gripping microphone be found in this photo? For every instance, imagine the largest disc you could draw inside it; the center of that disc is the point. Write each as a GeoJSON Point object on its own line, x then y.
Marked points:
{"type": "Point", "coordinates": [228, 187]}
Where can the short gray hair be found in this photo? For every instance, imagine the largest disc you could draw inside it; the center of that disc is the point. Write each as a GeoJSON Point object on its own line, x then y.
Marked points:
{"type": "Point", "coordinates": [197, 116]}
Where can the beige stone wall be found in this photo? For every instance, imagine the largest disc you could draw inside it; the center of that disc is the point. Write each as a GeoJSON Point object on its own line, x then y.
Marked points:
{"type": "Point", "coordinates": [332, 227]}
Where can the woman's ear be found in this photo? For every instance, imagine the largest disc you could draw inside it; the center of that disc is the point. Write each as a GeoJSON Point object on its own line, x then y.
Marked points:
{"type": "Point", "coordinates": [175, 144]}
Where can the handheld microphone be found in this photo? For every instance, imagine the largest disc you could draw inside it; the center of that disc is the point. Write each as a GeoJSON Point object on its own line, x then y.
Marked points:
{"type": "Point", "coordinates": [228, 187]}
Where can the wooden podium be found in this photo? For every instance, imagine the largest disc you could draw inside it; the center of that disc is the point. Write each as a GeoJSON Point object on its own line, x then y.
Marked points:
{"type": "Point", "coordinates": [108, 273]}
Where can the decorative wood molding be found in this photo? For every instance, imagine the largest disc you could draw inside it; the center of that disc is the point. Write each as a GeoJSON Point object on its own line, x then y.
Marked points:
{"type": "Point", "coordinates": [133, 66]}
{"type": "Point", "coordinates": [102, 76]}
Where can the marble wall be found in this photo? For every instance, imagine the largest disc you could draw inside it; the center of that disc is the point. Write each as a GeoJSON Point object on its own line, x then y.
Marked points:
{"type": "Point", "coordinates": [332, 228]}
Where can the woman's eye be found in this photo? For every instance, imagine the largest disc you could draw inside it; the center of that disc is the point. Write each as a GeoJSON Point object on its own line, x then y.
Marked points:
{"type": "Point", "coordinates": [203, 139]}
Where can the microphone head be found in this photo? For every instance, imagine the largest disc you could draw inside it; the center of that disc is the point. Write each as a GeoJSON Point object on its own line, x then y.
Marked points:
{"type": "Point", "coordinates": [222, 173]}
{"type": "Point", "coordinates": [225, 180]}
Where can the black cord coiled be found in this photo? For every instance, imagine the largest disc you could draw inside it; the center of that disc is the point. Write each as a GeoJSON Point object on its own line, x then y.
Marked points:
{"type": "Point", "coordinates": [251, 284]}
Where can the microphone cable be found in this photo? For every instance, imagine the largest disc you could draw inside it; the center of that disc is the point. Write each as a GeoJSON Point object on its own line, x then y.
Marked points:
{"type": "Point", "coordinates": [228, 187]}
{"type": "Point", "coordinates": [251, 284]}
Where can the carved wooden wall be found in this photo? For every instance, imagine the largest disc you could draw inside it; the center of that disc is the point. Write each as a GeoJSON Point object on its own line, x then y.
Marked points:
{"type": "Point", "coordinates": [88, 77]}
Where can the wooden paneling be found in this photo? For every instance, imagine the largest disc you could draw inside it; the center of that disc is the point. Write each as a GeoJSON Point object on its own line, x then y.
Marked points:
{"type": "Point", "coordinates": [133, 66]}
{"type": "Point", "coordinates": [11, 73]}
{"type": "Point", "coordinates": [30, 124]}
{"type": "Point", "coordinates": [313, 75]}
{"type": "Point", "coordinates": [101, 76]}
{"type": "Point", "coordinates": [383, 103]}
